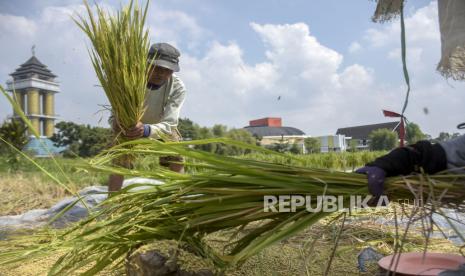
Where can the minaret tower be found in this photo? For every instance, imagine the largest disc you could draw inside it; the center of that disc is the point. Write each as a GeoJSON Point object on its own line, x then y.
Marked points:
{"type": "Point", "coordinates": [34, 88]}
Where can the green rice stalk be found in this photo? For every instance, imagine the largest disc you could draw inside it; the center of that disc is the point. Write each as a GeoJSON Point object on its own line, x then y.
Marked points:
{"type": "Point", "coordinates": [120, 46]}
{"type": "Point", "coordinates": [227, 195]}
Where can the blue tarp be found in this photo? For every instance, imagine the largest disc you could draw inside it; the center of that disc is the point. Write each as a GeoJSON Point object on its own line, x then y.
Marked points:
{"type": "Point", "coordinates": [42, 147]}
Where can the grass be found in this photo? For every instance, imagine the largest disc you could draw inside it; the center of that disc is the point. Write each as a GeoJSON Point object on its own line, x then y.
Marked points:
{"type": "Point", "coordinates": [27, 188]}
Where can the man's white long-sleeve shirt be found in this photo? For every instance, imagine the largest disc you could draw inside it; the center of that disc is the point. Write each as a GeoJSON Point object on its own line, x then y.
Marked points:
{"type": "Point", "coordinates": [163, 106]}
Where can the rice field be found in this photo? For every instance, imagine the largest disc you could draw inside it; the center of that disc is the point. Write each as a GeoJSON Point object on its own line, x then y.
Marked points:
{"type": "Point", "coordinates": [345, 161]}
{"type": "Point", "coordinates": [27, 188]}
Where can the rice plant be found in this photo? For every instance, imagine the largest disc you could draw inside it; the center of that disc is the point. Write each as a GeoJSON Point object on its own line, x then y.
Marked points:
{"type": "Point", "coordinates": [228, 195]}
{"type": "Point", "coordinates": [119, 52]}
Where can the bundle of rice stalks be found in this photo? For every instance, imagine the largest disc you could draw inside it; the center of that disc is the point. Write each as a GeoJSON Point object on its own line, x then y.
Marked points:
{"type": "Point", "coordinates": [228, 195]}
{"type": "Point", "coordinates": [119, 53]}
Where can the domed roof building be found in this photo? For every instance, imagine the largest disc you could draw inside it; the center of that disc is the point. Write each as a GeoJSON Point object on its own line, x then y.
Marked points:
{"type": "Point", "coordinates": [270, 131]}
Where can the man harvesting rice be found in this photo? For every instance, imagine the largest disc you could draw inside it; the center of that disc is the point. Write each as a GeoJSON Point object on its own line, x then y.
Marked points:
{"type": "Point", "coordinates": [163, 102]}
{"type": "Point", "coordinates": [432, 158]}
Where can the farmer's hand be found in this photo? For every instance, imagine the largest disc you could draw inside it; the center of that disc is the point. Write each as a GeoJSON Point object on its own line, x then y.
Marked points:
{"type": "Point", "coordinates": [138, 131]}
{"type": "Point", "coordinates": [376, 177]}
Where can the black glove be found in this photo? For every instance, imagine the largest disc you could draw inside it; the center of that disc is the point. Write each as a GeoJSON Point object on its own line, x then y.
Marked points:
{"type": "Point", "coordinates": [376, 177]}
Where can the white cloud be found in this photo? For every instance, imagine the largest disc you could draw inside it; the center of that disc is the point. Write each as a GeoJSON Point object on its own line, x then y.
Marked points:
{"type": "Point", "coordinates": [62, 46]}
{"type": "Point", "coordinates": [314, 89]}
{"type": "Point", "coordinates": [319, 93]}
{"type": "Point", "coordinates": [175, 27]}
{"type": "Point", "coordinates": [354, 47]}
{"type": "Point", "coordinates": [296, 52]}
{"type": "Point", "coordinates": [16, 26]}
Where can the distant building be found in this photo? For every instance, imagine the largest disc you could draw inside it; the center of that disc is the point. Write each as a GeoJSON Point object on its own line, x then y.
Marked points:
{"type": "Point", "coordinates": [331, 143]}
{"type": "Point", "coordinates": [270, 131]}
{"type": "Point", "coordinates": [360, 134]}
{"type": "Point", "coordinates": [33, 86]}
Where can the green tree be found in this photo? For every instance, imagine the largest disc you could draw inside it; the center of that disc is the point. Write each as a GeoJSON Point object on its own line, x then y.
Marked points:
{"type": "Point", "coordinates": [444, 136]}
{"type": "Point", "coordinates": [206, 133]}
{"type": "Point", "coordinates": [219, 130]}
{"type": "Point", "coordinates": [279, 147]}
{"type": "Point", "coordinates": [81, 140]}
{"type": "Point", "coordinates": [414, 133]}
{"type": "Point", "coordinates": [188, 130]}
{"type": "Point", "coordinates": [383, 139]}
{"type": "Point", "coordinates": [295, 149]}
{"type": "Point", "coordinates": [67, 134]}
{"type": "Point", "coordinates": [241, 135]}
{"type": "Point", "coordinates": [14, 132]}
{"type": "Point", "coordinates": [312, 145]}
{"type": "Point", "coordinates": [93, 140]}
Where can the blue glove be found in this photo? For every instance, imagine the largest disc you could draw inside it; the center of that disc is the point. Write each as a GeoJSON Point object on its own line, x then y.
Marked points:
{"type": "Point", "coordinates": [376, 177]}
{"type": "Point", "coordinates": [147, 130]}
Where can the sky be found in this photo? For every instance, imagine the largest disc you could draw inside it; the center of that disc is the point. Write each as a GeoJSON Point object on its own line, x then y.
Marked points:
{"type": "Point", "coordinates": [328, 64]}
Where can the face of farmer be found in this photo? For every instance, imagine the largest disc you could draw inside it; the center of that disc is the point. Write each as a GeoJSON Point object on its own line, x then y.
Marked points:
{"type": "Point", "coordinates": [159, 75]}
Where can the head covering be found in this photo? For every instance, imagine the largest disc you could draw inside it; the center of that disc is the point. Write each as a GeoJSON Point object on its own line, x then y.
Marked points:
{"type": "Point", "coordinates": [452, 27]}
{"type": "Point", "coordinates": [164, 55]}
{"type": "Point", "coordinates": [387, 10]}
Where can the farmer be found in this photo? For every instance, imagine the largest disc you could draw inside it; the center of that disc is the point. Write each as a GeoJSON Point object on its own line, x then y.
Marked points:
{"type": "Point", "coordinates": [432, 158]}
{"type": "Point", "coordinates": [163, 101]}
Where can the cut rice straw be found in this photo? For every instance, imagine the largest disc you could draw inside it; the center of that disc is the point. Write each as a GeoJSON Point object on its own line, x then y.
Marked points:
{"type": "Point", "coordinates": [228, 195]}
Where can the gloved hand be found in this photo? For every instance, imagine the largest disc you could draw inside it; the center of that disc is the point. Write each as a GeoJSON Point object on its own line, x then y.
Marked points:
{"type": "Point", "coordinates": [376, 177]}
{"type": "Point", "coordinates": [138, 131]}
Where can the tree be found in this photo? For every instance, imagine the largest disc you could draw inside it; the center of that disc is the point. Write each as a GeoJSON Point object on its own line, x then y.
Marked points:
{"type": "Point", "coordinates": [279, 147]}
{"type": "Point", "coordinates": [414, 133]}
{"type": "Point", "coordinates": [188, 130]}
{"type": "Point", "coordinates": [14, 132]}
{"type": "Point", "coordinates": [68, 133]}
{"type": "Point", "coordinates": [82, 140]}
{"type": "Point", "coordinates": [219, 130]}
{"type": "Point", "coordinates": [383, 139]}
{"type": "Point", "coordinates": [206, 133]}
{"type": "Point", "coordinates": [312, 145]}
{"type": "Point", "coordinates": [93, 140]}
{"type": "Point", "coordinates": [241, 135]}
{"type": "Point", "coordinates": [444, 136]}
{"type": "Point", "coordinates": [295, 149]}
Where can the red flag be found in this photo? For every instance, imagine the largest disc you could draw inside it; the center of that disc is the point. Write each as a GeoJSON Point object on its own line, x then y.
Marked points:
{"type": "Point", "coordinates": [391, 114]}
